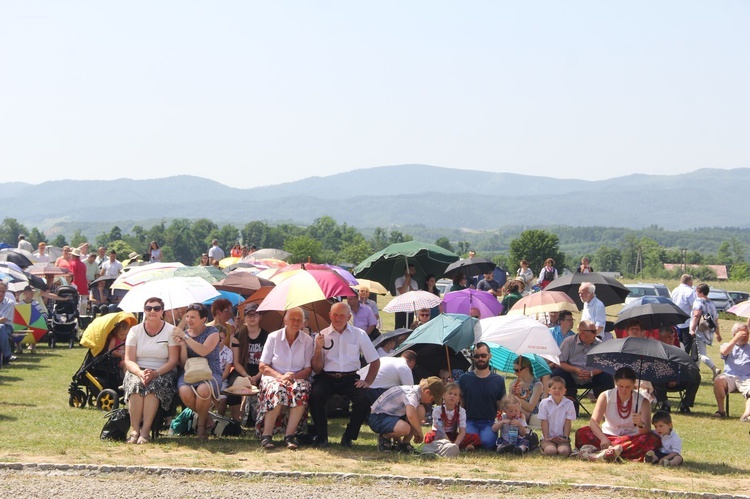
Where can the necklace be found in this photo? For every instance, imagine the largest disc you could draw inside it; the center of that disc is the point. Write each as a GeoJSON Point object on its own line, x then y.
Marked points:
{"type": "Point", "coordinates": [623, 409]}
{"type": "Point", "coordinates": [450, 423]}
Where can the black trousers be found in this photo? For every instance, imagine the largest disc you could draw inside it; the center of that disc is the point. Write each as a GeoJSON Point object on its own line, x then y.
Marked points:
{"type": "Point", "coordinates": [323, 387]}
{"type": "Point", "coordinates": [683, 333]}
{"type": "Point", "coordinates": [599, 383]}
{"type": "Point", "coordinates": [690, 387]}
{"type": "Point", "coordinates": [403, 319]}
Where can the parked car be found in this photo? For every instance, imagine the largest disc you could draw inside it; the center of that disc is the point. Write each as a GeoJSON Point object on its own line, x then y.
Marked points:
{"type": "Point", "coordinates": [739, 296]}
{"type": "Point", "coordinates": [444, 285]}
{"type": "Point", "coordinates": [644, 289]}
{"type": "Point", "coordinates": [721, 299]}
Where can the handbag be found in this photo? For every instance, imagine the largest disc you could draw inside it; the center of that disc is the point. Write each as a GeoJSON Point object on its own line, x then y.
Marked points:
{"type": "Point", "coordinates": [197, 370]}
{"type": "Point", "coordinates": [117, 425]}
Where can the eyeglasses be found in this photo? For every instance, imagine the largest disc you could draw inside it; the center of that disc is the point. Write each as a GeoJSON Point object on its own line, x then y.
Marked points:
{"type": "Point", "coordinates": [154, 308]}
{"type": "Point", "coordinates": [518, 369]}
{"type": "Point", "coordinates": [426, 314]}
{"type": "Point", "coordinates": [481, 355]}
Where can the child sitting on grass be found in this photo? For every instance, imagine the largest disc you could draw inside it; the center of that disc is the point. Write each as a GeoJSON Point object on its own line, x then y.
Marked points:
{"type": "Point", "coordinates": [671, 443]}
{"type": "Point", "coordinates": [398, 412]}
{"type": "Point", "coordinates": [449, 421]}
{"type": "Point", "coordinates": [511, 427]}
{"type": "Point", "coordinates": [557, 414]}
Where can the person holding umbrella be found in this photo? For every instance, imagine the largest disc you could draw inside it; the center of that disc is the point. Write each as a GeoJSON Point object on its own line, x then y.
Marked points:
{"type": "Point", "coordinates": [621, 417]}
{"type": "Point", "coordinates": [404, 284]}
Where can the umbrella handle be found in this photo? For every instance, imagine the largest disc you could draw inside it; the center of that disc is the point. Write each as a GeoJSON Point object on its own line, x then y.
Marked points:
{"type": "Point", "coordinates": [448, 359]}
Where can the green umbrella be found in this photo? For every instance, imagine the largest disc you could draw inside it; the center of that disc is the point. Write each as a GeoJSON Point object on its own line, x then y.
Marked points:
{"type": "Point", "coordinates": [503, 360]}
{"type": "Point", "coordinates": [388, 264]}
{"type": "Point", "coordinates": [208, 273]}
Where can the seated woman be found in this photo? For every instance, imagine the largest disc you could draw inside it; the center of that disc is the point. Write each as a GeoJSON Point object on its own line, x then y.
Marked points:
{"type": "Point", "coordinates": [527, 388]}
{"type": "Point", "coordinates": [151, 356]}
{"type": "Point", "coordinates": [199, 340]}
{"type": "Point", "coordinates": [100, 298]}
{"type": "Point", "coordinates": [247, 346]}
{"type": "Point", "coordinates": [285, 365]}
{"type": "Point", "coordinates": [627, 420]}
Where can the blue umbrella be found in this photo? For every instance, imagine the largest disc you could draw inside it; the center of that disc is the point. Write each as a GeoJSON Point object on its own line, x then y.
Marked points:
{"type": "Point", "coordinates": [235, 298]}
{"type": "Point", "coordinates": [503, 360]}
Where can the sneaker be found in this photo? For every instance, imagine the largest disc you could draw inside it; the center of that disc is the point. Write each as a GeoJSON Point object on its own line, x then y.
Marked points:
{"type": "Point", "coordinates": [406, 449]}
{"type": "Point", "coordinates": [384, 444]}
{"type": "Point", "coordinates": [504, 448]}
{"type": "Point", "coordinates": [650, 457]}
{"type": "Point", "coordinates": [517, 451]}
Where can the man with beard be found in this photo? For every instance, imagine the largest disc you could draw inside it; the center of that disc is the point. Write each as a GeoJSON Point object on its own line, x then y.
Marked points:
{"type": "Point", "coordinates": [481, 393]}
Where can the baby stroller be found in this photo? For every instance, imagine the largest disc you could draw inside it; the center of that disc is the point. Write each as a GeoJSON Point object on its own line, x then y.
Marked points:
{"type": "Point", "coordinates": [63, 319]}
{"type": "Point", "coordinates": [97, 382]}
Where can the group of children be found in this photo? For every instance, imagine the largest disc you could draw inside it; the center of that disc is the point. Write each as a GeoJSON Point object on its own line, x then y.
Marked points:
{"type": "Point", "coordinates": [397, 414]}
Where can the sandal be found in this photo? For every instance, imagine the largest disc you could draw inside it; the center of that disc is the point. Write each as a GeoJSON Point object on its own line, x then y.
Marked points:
{"type": "Point", "coordinates": [266, 442]}
{"type": "Point", "coordinates": [719, 415]}
{"type": "Point", "coordinates": [133, 439]}
{"type": "Point", "coordinates": [143, 440]}
{"type": "Point", "coordinates": [291, 442]}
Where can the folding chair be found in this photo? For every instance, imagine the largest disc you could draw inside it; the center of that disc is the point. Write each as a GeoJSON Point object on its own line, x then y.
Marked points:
{"type": "Point", "coordinates": [582, 394]}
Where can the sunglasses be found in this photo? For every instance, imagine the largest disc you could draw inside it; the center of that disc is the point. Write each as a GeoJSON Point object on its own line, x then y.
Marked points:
{"type": "Point", "coordinates": [480, 355]}
{"type": "Point", "coordinates": [587, 330]}
{"type": "Point", "coordinates": [154, 308]}
{"type": "Point", "coordinates": [518, 369]}
{"type": "Point", "coordinates": [195, 306]}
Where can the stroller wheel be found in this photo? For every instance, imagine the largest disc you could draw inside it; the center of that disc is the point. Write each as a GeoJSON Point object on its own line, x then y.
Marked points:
{"type": "Point", "coordinates": [77, 399]}
{"type": "Point", "coordinates": [107, 400]}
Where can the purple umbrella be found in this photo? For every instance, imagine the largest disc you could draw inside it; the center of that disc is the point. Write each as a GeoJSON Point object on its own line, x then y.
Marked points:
{"type": "Point", "coordinates": [461, 302]}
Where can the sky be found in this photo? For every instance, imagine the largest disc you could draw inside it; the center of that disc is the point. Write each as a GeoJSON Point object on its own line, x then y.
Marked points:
{"type": "Point", "coordinates": [252, 93]}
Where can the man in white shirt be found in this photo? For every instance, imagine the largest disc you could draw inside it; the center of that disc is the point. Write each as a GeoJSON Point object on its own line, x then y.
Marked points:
{"type": "Point", "coordinates": [684, 296]}
{"type": "Point", "coordinates": [335, 363]}
{"type": "Point", "coordinates": [41, 255]}
{"type": "Point", "coordinates": [593, 310]}
{"type": "Point", "coordinates": [394, 371]}
{"type": "Point", "coordinates": [111, 267]}
{"type": "Point", "coordinates": [215, 252]}
{"type": "Point", "coordinates": [24, 244]}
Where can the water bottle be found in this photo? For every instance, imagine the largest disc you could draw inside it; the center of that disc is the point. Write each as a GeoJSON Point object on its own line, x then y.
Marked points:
{"type": "Point", "coordinates": [440, 430]}
{"type": "Point", "coordinates": [512, 435]}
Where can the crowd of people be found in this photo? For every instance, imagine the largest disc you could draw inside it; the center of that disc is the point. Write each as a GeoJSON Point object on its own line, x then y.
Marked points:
{"type": "Point", "coordinates": [299, 372]}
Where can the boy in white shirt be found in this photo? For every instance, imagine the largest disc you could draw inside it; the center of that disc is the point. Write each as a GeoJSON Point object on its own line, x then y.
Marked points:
{"type": "Point", "coordinates": [557, 414]}
{"type": "Point", "coordinates": [671, 443]}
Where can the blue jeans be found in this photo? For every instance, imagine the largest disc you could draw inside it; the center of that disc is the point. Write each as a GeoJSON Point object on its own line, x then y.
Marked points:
{"type": "Point", "coordinates": [6, 332]}
{"type": "Point", "coordinates": [483, 428]}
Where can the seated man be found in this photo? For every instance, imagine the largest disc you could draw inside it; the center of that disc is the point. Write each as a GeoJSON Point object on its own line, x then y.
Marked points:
{"type": "Point", "coordinates": [481, 393]}
{"type": "Point", "coordinates": [736, 376]}
{"type": "Point", "coordinates": [564, 328]}
{"type": "Point", "coordinates": [573, 368]}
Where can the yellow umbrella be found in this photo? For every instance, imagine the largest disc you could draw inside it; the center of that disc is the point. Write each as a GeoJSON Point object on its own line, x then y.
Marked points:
{"type": "Point", "coordinates": [373, 286]}
{"type": "Point", "coordinates": [230, 260]}
{"type": "Point", "coordinates": [95, 336]}
{"type": "Point", "coordinates": [543, 302]}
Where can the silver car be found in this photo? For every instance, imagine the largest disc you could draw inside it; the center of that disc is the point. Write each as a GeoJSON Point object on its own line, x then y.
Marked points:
{"type": "Point", "coordinates": [721, 299]}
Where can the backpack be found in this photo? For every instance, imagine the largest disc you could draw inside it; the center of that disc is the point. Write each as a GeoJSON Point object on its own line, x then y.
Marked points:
{"type": "Point", "coordinates": [225, 427]}
{"type": "Point", "coordinates": [184, 423]}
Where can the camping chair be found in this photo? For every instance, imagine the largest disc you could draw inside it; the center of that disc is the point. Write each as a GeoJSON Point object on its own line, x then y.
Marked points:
{"type": "Point", "coordinates": [582, 394]}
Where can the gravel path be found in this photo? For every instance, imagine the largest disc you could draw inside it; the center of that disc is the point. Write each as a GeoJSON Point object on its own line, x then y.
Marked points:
{"type": "Point", "coordinates": [77, 482]}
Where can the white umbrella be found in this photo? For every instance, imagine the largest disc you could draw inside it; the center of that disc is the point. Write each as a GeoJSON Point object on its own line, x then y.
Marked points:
{"type": "Point", "coordinates": [413, 301]}
{"type": "Point", "coordinates": [519, 334]}
{"type": "Point", "coordinates": [176, 292]}
{"type": "Point", "coordinates": [135, 276]}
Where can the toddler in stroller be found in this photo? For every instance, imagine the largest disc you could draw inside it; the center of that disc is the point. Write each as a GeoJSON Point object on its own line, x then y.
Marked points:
{"type": "Point", "coordinates": [100, 375]}
{"type": "Point", "coordinates": [63, 321]}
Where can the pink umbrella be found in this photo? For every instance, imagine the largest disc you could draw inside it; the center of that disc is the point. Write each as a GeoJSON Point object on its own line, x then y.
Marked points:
{"type": "Point", "coordinates": [461, 302]}
{"type": "Point", "coordinates": [348, 277]}
{"type": "Point", "coordinates": [305, 286]}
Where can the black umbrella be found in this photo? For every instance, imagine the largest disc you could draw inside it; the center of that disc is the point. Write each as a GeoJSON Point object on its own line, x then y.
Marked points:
{"type": "Point", "coordinates": [36, 281]}
{"type": "Point", "coordinates": [391, 334]}
{"type": "Point", "coordinates": [15, 256]}
{"type": "Point", "coordinates": [608, 290]}
{"type": "Point", "coordinates": [432, 358]}
{"type": "Point", "coordinates": [652, 315]}
{"type": "Point", "coordinates": [470, 267]}
{"type": "Point", "coordinates": [652, 360]}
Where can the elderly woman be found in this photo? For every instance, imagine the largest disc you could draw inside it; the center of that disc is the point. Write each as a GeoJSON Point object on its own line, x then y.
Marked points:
{"type": "Point", "coordinates": [285, 365]}
{"type": "Point", "coordinates": [151, 356]}
{"type": "Point", "coordinates": [199, 340]}
{"type": "Point", "coordinates": [626, 417]}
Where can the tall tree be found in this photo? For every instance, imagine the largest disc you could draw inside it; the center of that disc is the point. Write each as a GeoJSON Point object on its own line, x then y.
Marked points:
{"type": "Point", "coordinates": [443, 242]}
{"type": "Point", "coordinates": [10, 229]}
{"type": "Point", "coordinates": [303, 248]}
{"type": "Point", "coordinates": [607, 259]}
{"type": "Point", "coordinates": [536, 246]}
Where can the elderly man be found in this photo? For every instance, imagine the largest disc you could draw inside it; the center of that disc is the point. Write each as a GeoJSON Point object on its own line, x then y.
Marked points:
{"type": "Point", "coordinates": [593, 310]}
{"type": "Point", "coordinates": [7, 307]}
{"type": "Point", "coordinates": [92, 268]}
{"type": "Point", "coordinates": [573, 368]}
{"type": "Point", "coordinates": [481, 393]}
{"type": "Point", "coordinates": [736, 376]}
{"type": "Point", "coordinates": [335, 362]}
{"type": "Point", "coordinates": [362, 316]}
{"type": "Point", "coordinates": [684, 296]}
{"type": "Point", "coordinates": [101, 256]}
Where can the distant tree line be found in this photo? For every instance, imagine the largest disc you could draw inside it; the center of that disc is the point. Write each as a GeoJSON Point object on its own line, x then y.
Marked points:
{"type": "Point", "coordinates": [630, 252]}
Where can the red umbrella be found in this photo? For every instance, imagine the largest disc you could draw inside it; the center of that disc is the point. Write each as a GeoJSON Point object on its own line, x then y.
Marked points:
{"type": "Point", "coordinates": [271, 320]}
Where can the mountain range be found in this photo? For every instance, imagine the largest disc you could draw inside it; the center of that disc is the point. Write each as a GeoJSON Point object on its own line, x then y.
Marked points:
{"type": "Point", "coordinates": [389, 196]}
